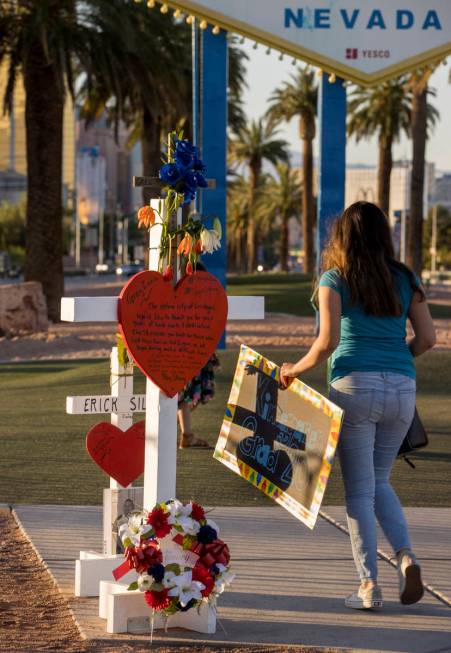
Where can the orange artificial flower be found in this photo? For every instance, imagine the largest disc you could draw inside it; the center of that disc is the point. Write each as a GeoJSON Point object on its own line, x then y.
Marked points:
{"type": "Point", "coordinates": [198, 247]}
{"type": "Point", "coordinates": [146, 217]}
{"type": "Point", "coordinates": [186, 245]}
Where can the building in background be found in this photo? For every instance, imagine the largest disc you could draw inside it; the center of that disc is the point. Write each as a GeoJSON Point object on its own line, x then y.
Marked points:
{"type": "Point", "coordinates": [442, 191]}
{"type": "Point", "coordinates": [361, 184]}
{"type": "Point", "coordinates": [13, 157]}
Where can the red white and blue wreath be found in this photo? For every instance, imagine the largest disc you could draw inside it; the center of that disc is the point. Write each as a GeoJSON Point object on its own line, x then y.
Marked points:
{"type": "Point", "coordinates": [180, 560]}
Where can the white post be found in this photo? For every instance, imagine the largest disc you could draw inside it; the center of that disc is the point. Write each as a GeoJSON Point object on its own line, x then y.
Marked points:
{"type": "Point", "coordinates": [121, 386]}
{"type": "Point", "coordinates": [161, 414]}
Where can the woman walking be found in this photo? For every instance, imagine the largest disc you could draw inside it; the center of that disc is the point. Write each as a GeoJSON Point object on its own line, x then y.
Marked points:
{"type": "Point", "coordinates": [364, 298]}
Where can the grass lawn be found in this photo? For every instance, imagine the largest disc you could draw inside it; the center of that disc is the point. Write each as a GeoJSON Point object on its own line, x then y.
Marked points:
{"type": "Point", "coordinates": [43, 450]}
{"type": "Point", "coordinates": [290, 293]}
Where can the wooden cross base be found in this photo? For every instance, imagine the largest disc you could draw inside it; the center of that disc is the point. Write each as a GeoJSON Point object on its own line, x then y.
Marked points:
{"type": "Point", "coordinates": [127, 612]}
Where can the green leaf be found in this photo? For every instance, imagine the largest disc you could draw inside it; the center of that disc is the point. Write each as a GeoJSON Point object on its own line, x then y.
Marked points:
{"type": "Point", "coordinates": [174, 567]}
{"type": "Point", "coordinates": [122, 353]}
{"type": "Point", "coordinates": [132, 586]}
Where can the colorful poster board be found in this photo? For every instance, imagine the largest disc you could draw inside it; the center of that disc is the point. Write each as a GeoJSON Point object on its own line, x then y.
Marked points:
{"type": "Point", "coordinates": [283, 441]}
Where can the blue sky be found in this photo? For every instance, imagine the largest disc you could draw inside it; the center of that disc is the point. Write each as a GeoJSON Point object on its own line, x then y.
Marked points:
{"type": "Point", "coordinates": [266, 72]}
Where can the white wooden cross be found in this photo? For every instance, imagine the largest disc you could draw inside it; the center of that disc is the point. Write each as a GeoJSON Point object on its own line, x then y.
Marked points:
{"type": "Point", "coordinates": [117, 605]}
{"type": "Point", "coordinates": [161, 411]}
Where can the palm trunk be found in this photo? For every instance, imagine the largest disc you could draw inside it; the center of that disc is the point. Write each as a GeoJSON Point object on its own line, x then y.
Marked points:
{"type": "Point", "coordinates": [384, 173]}
{"type": "Point", "coordinates": [251, 226]}
{"type": "Point", "coordinates": [284, 242]}
{"type": "Point", "coordinates": [150, 148]}
{"type": "Point", "coordinates": [307, 204]}
{"type": "Point", "coordinates": [419, 132]}
{"type": "Point", "coordinates": [44, 109]}
{"type": "Point", "coordinates": [238, 249]}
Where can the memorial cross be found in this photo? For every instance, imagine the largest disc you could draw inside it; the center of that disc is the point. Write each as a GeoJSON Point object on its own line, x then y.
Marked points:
{"type": "Point", "coordinates": [161, 411]}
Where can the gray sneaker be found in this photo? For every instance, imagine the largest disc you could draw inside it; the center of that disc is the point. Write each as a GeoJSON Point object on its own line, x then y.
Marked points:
{"type": "Point", "coordinates": [365, 599]}
{"type": "Point", "coordinates": [409, 573]}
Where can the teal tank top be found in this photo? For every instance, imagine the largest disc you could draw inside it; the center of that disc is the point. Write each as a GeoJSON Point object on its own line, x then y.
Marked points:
{"type": "Point", "coordinates": [369, 343]}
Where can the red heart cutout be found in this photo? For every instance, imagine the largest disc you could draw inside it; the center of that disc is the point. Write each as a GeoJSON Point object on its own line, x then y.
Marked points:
{"type": "Point", "coordinates": [119, 454]}
{"type": "Point", "coordinates": [171, 332]}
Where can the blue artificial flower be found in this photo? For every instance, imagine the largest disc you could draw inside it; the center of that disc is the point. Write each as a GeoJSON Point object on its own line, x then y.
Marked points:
{"type": "Point", "coordinates": [207, 534]}
{"type": "Point", "coordinates": [214, 570]}
{"type": "Point", "coordinates": [200, 180]}
{"type": "Point", "coordinates": [185, 153]}
{"type": "Point", "coordinates": [157, 571]}
{"type": "Point", "coordinates": [170, 173]}
{"type": "Point", "coordinates": [199, 165]}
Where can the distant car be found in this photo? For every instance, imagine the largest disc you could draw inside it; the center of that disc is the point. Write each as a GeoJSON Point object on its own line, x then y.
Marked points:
{"type": "Point", "coordinates": [105, 268]}
{"type": "Point", "coordinates": [129, 269]}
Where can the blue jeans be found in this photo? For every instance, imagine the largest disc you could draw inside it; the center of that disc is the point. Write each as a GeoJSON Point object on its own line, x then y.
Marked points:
{"type": "Point", "coordinates": [379, 408]}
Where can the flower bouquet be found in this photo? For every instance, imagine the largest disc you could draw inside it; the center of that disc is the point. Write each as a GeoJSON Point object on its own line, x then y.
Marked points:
{"type": "Point", "coordinates": [180, 560]}
{"type": "Point", "coordinates": [183, 174]}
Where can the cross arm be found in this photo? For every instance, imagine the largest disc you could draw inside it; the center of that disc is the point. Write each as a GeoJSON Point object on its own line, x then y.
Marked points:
{"type": "Point", "coordinates": [104, 309]}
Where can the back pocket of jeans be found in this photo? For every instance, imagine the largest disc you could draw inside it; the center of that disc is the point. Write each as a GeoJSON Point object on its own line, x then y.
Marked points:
{"type": "Point", "coordinates": [357, 407]}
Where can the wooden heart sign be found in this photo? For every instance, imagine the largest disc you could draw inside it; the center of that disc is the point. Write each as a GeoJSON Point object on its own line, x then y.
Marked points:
{"type": "Point", "coordinates": [119, 454]}
{"type": "Point", "coordinates": [171, 332]}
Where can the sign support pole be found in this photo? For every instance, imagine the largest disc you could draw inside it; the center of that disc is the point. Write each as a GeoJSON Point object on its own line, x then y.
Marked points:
{"type": "Point", "coordinates": [214, 80]}
{"type": "Point", "coordinates": [332, 157]}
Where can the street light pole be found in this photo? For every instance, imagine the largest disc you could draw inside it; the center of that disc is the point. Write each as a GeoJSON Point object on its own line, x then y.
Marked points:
{"type": "Point", "coordinates": [434, 241]}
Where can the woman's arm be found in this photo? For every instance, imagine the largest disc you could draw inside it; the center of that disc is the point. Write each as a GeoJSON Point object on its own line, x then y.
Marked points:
{"type": "Point", "coordinates": [327, 341]}
{"type": "Point", "coordinates": [423, 326]}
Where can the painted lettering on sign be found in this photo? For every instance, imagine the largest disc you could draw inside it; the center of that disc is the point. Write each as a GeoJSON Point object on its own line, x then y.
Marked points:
{"type": "Point", "coordinates": [323, 17]}
{"type": "Point", "coordinates": [105, 404]}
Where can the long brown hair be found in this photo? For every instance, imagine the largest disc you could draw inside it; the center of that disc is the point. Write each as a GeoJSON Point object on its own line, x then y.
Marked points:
{"type": "Point", "coordinates": [361, 248]}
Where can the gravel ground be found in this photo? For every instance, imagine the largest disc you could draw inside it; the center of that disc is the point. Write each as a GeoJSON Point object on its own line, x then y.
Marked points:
{"type": "Point", "coordinates": [72, 341]}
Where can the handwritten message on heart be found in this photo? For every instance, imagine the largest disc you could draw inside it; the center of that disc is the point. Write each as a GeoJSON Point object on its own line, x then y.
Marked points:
{"type": "Point", "coordinates": [120, 454]}
{"type": "Point", "coordinates": [171, 332]}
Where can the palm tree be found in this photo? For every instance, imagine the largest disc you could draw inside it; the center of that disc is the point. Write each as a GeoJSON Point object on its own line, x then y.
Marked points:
{"type": "Point", "coordinates": [384, 110]}
{"type": "Point", "coordinates": [281, 197]}
{"type": "Point", "coordinates": [298, 98]}
{"type": "Point", "coordinates": [152, 92]}
{"type": "Point", "coordinates": [253, 145]}
{"type": "Point", "coordinates": [45, 41]}
{"type": "Point", "coordinates": [237, 83]}
{"type": "Point", "coordinates": [237, 214]}
{"type": "Point", "coordinates": [424, 116]}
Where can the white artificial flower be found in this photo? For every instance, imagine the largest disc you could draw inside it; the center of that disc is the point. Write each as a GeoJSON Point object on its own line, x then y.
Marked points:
{"type": "Point", "coordinates": [223, 581]}
{"type": "Point", "coordinates": [169, 580]}
{"type": "Point", "coordinates": [186, 588]}
{"type": "Point", "coordinates": [180, 514]}
{"type": "Point", "coordinates": [145, 582]}
{"type": "Point", "coordinates": [217, 227]}
{"type": "Point", "coordinates": [210, 240]}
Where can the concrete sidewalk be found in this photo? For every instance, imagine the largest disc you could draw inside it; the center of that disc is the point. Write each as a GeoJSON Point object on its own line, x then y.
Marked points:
{"type": "Point", "coordinates": [290, 581]}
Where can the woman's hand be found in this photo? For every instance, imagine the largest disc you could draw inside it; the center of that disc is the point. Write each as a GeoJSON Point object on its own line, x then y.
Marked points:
{"type": "Point", "coordinates": [287, 374]}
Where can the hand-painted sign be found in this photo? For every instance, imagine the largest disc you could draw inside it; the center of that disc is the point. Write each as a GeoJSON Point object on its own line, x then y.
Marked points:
{"type": "Point", "coordinates": [366, 42]}
{"type": "Point", "coordinates": [172, 332]}
{"type": "Point", "coordinates": [281, 441]}
{"type": "Point", "coordinates": [87, 405]}
{"type": "Point", "coordinates": [120, 454]}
